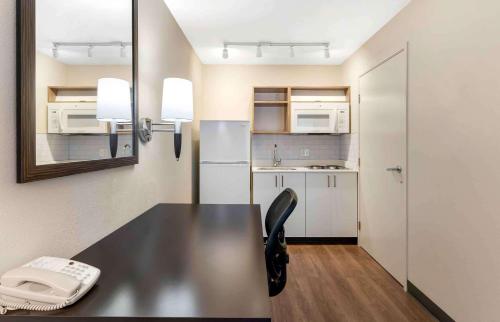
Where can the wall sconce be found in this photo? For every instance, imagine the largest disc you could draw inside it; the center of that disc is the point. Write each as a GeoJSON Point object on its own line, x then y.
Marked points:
{"type": "Point", "coordinates": [113, 105]}
{"type": "Point", "coordinates": [177, 107]}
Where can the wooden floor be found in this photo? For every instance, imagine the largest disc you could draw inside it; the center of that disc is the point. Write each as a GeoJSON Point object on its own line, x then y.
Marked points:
{"type": "Point", "coordinates": [342, 283]}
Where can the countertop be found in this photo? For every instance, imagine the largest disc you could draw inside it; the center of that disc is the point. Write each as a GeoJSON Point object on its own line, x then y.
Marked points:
{"type": "Point", "coordinates": [258, 169]}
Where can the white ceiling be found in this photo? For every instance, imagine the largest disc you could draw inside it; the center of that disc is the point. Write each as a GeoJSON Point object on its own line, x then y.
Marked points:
{"type": "Point", "coordinates": [84, 21]}
{"type": "Point", "coordinates": [346, 24]}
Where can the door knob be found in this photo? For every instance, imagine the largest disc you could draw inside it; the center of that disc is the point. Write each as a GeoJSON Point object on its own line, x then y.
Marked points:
{"type": "Point", "coordinates": [397, 169]}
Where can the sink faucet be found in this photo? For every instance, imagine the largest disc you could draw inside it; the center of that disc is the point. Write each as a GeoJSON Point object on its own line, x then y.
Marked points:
{"type": "Point", "coordinates": [276, 158]}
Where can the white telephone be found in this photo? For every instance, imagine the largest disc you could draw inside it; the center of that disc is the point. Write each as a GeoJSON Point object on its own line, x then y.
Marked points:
{"type": "Point", "coordinates": [46, 284]}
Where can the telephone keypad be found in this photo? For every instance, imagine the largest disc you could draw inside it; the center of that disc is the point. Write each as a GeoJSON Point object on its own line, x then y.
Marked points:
{"type": "Point", "coordinates": [80, 271]}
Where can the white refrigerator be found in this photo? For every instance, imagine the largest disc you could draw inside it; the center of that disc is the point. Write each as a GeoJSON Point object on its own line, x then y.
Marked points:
{"type": "Point", "coordinates": [224, 162]}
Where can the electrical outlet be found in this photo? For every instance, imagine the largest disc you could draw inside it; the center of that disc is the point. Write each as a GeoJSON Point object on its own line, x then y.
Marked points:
{"type": "Point", "coordinates": [305, 152]}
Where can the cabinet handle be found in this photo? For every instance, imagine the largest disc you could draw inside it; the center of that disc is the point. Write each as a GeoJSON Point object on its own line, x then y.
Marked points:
{"type": "Point", "coordinates": [328, 181]}
{"type": "Point", "coordinates": [282, 182]}
{"type": "Point", "coordinates": [276, 181]}
{"type": "Point", "coordinates": [335, 181]}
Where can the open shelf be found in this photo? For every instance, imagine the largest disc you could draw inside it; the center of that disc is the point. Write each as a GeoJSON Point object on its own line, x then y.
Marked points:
{"type": "Point", "coordinates": [270, 94]}
{"type": "Point", "coordinates": [71, 94]}
{"type": "Point", "coordinates": [270, 102]}
{"type": "Point", "coordinates": [270, 110]}
{"type": "Point", "coordinates": [323, 94]}
{"type": "Point", "coordinates": [270, 132]}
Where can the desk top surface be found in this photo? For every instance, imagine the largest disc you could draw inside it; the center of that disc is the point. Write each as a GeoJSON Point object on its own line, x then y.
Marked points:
{"type": "Point", "coordinates": [176, 262]}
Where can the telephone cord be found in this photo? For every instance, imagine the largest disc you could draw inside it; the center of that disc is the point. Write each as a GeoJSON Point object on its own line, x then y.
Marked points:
{"type": "Point", "coordinates": [6, 306]}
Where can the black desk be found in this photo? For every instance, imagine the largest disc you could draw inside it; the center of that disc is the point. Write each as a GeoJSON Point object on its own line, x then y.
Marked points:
{"type": "Point", "coordinates": [175, 263]}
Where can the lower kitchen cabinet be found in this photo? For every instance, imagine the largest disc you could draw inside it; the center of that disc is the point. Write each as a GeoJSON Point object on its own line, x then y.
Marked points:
{"type": "Point", "coordinates": [327, 206]}
{"type": "Point", "coordinates": [319, 201]}
{"type": "Point", "coordinates": [268, 185]}
{"type": "Point", "coordinates": [331, 204]}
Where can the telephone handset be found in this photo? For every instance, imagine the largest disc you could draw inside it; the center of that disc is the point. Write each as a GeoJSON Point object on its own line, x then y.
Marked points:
{"type": "Point", "coordinates": [46, 284]}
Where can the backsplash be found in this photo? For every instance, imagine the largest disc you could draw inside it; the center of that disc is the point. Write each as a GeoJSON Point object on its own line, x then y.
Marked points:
{"type": "Point", "coordinates": [97, 147]}
{"type": "Point", "coordinates": [307, 147]}
{"type": "Point", "coordinates": [55, 147]}
{"type": "Point", "coordinates": [349, 148]}
{"type": "Point", "coordinates": [51, 147]}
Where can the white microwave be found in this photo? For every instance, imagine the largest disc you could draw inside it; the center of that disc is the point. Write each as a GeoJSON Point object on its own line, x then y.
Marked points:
{"type": "Point", "coordinates": [320, 117]}
{"type": "Point", "coordinates": [74, 118]}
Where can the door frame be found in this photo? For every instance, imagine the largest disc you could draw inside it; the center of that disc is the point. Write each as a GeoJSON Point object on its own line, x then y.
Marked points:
{"type": "Point", "coordinates": [405, 51]}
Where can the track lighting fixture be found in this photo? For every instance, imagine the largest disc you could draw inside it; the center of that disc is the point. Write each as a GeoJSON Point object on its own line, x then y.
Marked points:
{"type": "Point", "coordinates": [225, 52]}
{"type": "Point", "coordinates": [90, 47]}
{"type": "Point", "coordinates": [259, 51]}
{"type": "Point", "coordinates": [291, 45]}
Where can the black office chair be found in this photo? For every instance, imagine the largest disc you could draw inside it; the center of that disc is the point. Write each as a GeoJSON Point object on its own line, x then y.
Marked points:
{"type": "Point", "coordinates": [276, 254]}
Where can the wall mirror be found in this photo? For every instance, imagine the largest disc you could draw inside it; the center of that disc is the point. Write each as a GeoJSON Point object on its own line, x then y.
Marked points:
{"type": "Point", "coordinates": [65, 49]}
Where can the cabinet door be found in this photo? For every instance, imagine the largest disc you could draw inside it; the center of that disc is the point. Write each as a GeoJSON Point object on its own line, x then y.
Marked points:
{"type": "Point", "coordinates": [265, 188]}
{"type": "Point", "coordinates": [345, 203]}
{"type": "Point", "coordinates": [296, 223]}
{"type": "Point", "coordinates": [319, 205]}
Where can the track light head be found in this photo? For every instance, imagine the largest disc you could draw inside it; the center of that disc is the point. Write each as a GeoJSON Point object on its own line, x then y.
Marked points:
{"type": "Point", "coordinates": [55, 52]}
{"type": "Point", "coordinates": [292, 52]}
{"type": "Point", "coordinates": [259, 51]}
{"type": "Point", "coordinates": [225, 52]}
{"type": "Point", "coordinates": [89, 51]}
{"type": "Point", "coordinates": [123, 51]}
{"type": "Point", "coordinates": [327, 52]}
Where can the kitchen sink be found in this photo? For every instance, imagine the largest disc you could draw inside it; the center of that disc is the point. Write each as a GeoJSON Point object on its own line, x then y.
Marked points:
{"type": "Point", "coordinates": [275, 168]}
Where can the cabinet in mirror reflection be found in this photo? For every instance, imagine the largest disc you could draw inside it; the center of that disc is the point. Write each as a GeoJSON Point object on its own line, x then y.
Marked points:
{"type": "Point", "coordinates": [79, 42]}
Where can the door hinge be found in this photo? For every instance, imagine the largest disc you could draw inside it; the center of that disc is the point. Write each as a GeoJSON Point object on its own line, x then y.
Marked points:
{"type": "Point", "coordinates": [359, 98]}
{"type": "Point", "coordinates": [359, 225]}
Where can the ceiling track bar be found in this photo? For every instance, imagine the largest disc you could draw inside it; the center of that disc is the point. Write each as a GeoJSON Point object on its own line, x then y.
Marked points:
{"type": "Point", "coordinates": [92, 44]}
{"type": "Point", "coordinates": [277, 44]}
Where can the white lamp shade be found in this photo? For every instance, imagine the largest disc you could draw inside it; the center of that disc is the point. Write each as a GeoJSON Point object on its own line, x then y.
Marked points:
{"type": "Point", "coordinates": [113, 100]}
{"type": "Point", "coordinates": [177, 104]}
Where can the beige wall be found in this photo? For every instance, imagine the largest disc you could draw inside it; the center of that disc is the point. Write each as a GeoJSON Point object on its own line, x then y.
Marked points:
{"type": "Point", "coordinates": [227, 89]}
{"type": "Point", "coordinates": [60, 217]}
{"type": "Point", "coordinates": [87, 75]}
{"type": "Point", "coordinates": [454, 154]}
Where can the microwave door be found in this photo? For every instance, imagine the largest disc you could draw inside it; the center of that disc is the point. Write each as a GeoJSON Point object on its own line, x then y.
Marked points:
{"type": "Point", "coordinates": [81, 122]}
{"type": "Point", "coordinates": [314, 121]}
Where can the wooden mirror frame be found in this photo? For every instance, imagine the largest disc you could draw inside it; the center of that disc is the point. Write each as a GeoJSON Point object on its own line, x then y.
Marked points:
{"type": "Point", "coordinates": [27, 169]}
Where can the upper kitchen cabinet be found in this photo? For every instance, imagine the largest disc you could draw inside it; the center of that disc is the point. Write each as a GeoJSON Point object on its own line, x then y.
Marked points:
{"type": "Point", "coordinates": [270, 110]}
{"type": "Point", "coordinates": [267, 186]}
{"type": "Point", "coordinates": [301, 110]}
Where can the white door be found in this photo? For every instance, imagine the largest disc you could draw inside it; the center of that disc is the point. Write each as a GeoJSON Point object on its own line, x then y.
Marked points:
{"type": "Point", "coordinates": [224, 141]}
{"type": "Point", "coordinates": [319, 201]}
{"type": "Point", "coordinates": [265, 188]}
{"type": "Point", "coordinates": [382, 154]}
{"type": "Point", "coordinates": [295, 226]}
{"type": "Point", "coordinates": [224, 183]}
{"type": "Point", "coordinates": [345, 196]}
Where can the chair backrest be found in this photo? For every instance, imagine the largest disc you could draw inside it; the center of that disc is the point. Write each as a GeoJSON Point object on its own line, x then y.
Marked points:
{"type": "Point", "coordinates": [276, 254]}
{"type": "Point", "coordinates": [279, 211]}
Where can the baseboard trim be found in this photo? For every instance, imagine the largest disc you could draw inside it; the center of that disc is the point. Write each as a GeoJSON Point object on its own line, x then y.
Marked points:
{"type": "Point", "coordinates": [429, 304]}
{"type": "Point", "coordinates": [323, 240]}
